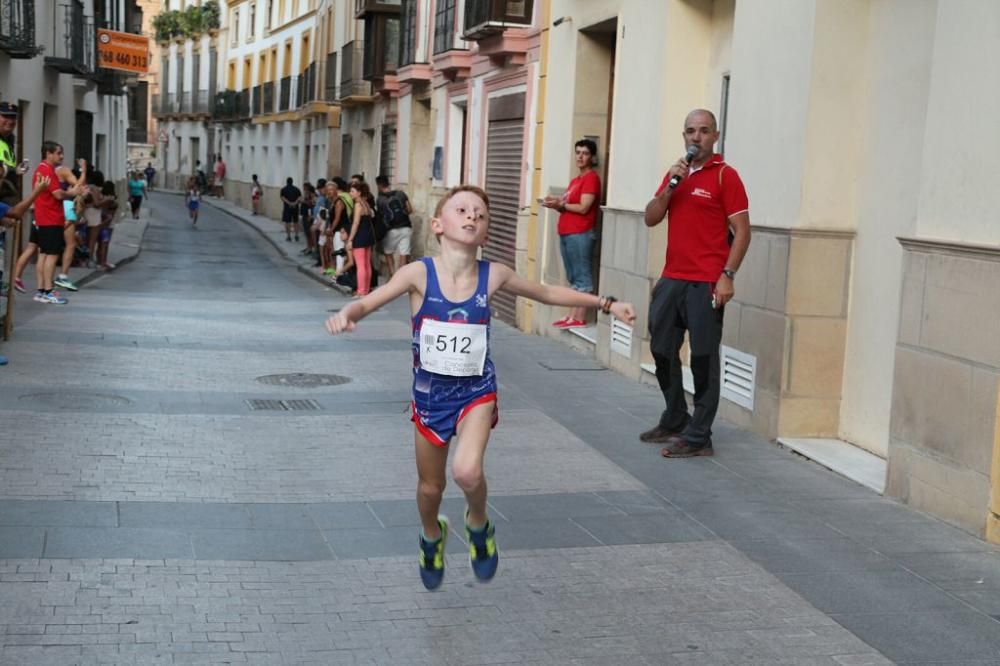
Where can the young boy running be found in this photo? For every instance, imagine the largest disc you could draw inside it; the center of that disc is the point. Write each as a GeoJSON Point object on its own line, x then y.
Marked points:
{"type": "Point", "coordinates": [193, 200]}
{"type": "Point", "coordinates": [454, 382]}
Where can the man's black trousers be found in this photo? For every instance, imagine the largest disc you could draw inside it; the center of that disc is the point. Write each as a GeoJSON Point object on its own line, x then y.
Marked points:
{"type": "Point", "coordinates": [676, 306]}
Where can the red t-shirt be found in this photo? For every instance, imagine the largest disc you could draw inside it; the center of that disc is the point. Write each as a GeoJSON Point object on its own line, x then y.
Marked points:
{"type": "Point", "coordinates": [48, 209]}
{"type": "Point", "coordinates": [698, 221]}
{"type": "Point", "coordinates": [577, 223]}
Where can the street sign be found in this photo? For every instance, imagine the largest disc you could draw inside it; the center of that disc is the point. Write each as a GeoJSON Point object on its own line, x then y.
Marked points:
{"type": "Point", "coordinates": [162, 136]}
{"type": "Point", "coordinates": [122, 50]}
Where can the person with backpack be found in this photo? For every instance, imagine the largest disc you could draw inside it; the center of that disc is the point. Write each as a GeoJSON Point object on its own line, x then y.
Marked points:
{"type": "Point", "coordinates": [395, 208]}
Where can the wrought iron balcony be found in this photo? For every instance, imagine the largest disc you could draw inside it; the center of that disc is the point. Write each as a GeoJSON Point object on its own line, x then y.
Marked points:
{"type": "Point", "coordinates": [72, 41]}
{"type": "Point", "coordinates": [306, 86]}
{"type": "Point", "coordinates": [381, 47]}
{"type": "Point", "coordinates": [109, 81]}
{"type": "Point", "coordinates": [136, 135]}
{"type": "Point", "coordinates": [363, 8]}
{"type": "Point", "coordinates": [489, 17]}
{"type": "Point", "coordinates": [268, 95]}
{"type": "Point", "coordinates": [231, 105]}
{"type": "Point", "coordinates": [353, 87]}
{"type": "Point", "coordinates": [285, 94]}
{"type": "Point", "coordinates": [17, 28]}
{"type": "Point", "coordinates": [258, 101]}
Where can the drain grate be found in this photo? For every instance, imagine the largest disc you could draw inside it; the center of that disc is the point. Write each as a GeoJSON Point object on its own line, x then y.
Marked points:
{"type": "Point", "coordinates": [303, 380]}
{"type": "Point", "coordinates": [283, 405]}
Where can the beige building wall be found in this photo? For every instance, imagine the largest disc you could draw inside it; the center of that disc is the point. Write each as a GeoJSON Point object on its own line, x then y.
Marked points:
{"type": "Point", "coordinates": [842, 121]}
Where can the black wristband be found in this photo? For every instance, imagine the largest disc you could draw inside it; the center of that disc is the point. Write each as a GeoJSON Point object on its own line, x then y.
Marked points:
{"type": "Point", "coordinates": [608, 302]}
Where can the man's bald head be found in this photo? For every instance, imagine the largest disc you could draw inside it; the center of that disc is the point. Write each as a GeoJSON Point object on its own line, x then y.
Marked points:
{"type": "Point", "coordinates": [700, 116]}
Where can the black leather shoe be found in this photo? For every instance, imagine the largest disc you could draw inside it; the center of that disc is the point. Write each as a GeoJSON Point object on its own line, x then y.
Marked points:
{"type": "Point", "coordinates": [678, 447]}
{"type": "Point", "coordinates": [657, 435]}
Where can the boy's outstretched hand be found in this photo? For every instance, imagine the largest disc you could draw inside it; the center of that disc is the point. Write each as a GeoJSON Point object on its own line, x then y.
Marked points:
{"type": "Point", "coordinates": [623, 311]}
{"type": "Point", "coordinates": [339, 323]}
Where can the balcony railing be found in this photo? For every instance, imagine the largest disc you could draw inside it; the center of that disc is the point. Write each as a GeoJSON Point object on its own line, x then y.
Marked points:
{"type": "Point", "coordinates": [352, 83]}
{"type": "Point", "coordinates": [136, 135]}
{"type": "Point", "coordinates": [17, 28]}
{"type": "Point", "coordinates": [489, 17]}
{"type": "Point", "coordinates": [231, 105]}
{"type": "Point", "coordinates": [257, 104]}
{"type": "Point", "coordinates": [268, 95]}
{"type": "Point", "coordinates": [72, 41]}
{"type": "Point", "coordinates": [381, 46]}
{"type": "Point", "coordinates": [364, 7]}
{"type": "Point", "coordinates": [330, 80]}
{"type": "Point", "coordinates": [285, 94]}
{"type": "Point", "coordinates": [109, 81]}
{"type": "Point", "coordinates": [306, 86]}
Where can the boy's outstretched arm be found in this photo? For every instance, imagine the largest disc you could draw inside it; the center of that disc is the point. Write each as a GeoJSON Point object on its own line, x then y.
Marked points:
{"type": "Point", "coordinates": [507, 279]}
{"type": "Point", "coordinates": [401, 283]}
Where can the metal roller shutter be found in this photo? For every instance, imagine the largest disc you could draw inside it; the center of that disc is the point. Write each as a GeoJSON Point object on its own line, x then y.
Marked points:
{"type": "Point", "coordinates": [503, 186]}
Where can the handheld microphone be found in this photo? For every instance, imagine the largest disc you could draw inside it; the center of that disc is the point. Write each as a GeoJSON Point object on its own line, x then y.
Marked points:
{"type": "Point", "coordinates": [692, 150]}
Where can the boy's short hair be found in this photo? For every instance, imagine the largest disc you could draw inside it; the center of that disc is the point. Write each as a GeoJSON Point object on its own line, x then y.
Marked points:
{"type": "Point", "coordinates": [478, 191]}
{"type": "Point", "coordinates": [321, 183]}
{"type": "Point", "coordinates": [382, 181]}
{"type": "Point", "coordinates": [340, 183]}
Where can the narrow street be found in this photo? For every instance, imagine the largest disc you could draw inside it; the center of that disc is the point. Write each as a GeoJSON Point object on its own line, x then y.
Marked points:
{"type": "Point", "coordinates": [193, 471]}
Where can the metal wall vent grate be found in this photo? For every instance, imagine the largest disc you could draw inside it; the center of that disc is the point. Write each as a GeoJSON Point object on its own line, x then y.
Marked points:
{"type": "Point", "coordinates": [621, 337]}
{"type": "Point", "coordinates": [282, 405]}
{"type": "Point", "coordinates": [739, 376]}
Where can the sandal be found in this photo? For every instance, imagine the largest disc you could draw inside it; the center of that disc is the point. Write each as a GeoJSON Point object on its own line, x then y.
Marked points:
{"type": "Point", "coordinates": [573, 323]}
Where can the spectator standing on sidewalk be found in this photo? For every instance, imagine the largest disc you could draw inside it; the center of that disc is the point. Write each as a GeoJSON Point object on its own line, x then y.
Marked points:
{"type": "Point", "coordinates": [291, 199]}
{"type": "Point", "coordinates": [150, 174]}
{"type": "Point", "coordinates": [319, 220]}
{"type": "Point", "coordinates": [702, 199]}
{"type": "Point", "coordinates": [136, 192]}
{"type": "Point", "coordinates": [69, 178]}
{"type": "Point", "coordinates": [49, 219]}
{"type": "Point", "coordinates": [361, 237]}
{"type": "Point", "coordinates": [256, 192]}
{"type": "Point", "coordinates": [220, 177]}
{"type": "Point", "coordinates": [578, 215]}
{"type": "Point", "coordinates": [396, 210]}
{"type": "Point", "coordinates": [306, 208]}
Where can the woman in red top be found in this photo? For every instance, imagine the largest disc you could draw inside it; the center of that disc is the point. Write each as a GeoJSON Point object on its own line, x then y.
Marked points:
{"type": "Point", "coordinates": [578, 208]}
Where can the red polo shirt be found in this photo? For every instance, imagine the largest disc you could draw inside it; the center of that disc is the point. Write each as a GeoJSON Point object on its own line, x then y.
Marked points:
{"type": "Point", "coordinates": [577, 223]}
{"type": "Point", "coordinates": [48, 209]}
{"type": "Point", "coordinates": [698, 221]}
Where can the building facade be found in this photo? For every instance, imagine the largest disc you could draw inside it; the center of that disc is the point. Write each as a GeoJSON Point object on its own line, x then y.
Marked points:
{"type": "Point", "coordinates": [864, 311]}
{"type": "Point", "coordinates": [48, 67]}
{"type": "Point", "coordinates": [143, 130]}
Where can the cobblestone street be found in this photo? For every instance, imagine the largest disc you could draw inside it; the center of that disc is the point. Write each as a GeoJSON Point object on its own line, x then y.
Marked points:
{"type": "Point", "coordinates": [153, 511]}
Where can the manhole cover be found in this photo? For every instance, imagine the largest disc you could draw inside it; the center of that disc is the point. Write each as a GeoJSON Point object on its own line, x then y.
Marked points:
{"type": "Point", "coordinates": [303, 380]}
{"type": "Point", "coordinates": [76, 400]}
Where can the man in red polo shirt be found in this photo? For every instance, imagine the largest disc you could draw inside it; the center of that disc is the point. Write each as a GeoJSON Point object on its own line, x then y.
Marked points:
{"type": "Point", "coordinates": [702, 200]}
{"type": "Point", "coordinates": [50, 220]}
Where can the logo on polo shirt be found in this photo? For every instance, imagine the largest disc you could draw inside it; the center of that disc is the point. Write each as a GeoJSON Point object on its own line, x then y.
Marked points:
{"type": "Point", "coordinates": [699, 192]}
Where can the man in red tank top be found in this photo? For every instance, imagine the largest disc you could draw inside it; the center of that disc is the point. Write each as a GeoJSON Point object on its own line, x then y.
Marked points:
{"type": "Point", "coordinates": [49, 220]}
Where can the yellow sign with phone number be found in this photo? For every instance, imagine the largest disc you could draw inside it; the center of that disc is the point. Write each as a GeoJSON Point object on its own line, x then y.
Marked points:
{"type": "Point", "coordinates": [122, 50]}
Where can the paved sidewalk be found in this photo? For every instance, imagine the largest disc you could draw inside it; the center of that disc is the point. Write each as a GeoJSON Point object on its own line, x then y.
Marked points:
{"type": "Point", "coordinates": [126, 244]}
{"type": "Point", "coordinates": [168, 494]}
